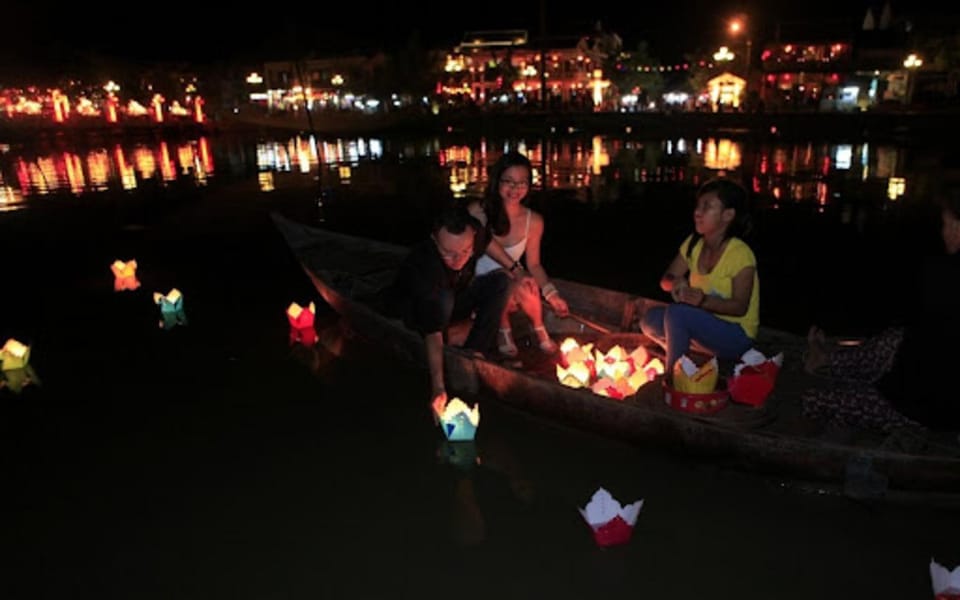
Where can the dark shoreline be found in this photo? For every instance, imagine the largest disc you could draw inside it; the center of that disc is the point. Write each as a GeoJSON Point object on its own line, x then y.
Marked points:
{"type": "Point", "coordinates": [874, 125]}
{"type": "Point", "coordinates": [894, 125]}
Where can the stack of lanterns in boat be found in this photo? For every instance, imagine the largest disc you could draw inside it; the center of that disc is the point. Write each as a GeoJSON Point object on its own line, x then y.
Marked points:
{"type": "Point", "coordinates": [615, 373]}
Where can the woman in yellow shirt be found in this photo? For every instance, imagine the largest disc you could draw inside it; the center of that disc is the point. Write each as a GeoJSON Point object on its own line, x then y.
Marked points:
{"type": "Point", "coordinates": [713, 281]}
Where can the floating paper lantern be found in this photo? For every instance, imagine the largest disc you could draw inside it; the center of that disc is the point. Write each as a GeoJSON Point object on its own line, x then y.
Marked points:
{"type": "Point", "coordinates": [14, 355]}
{"type": "Point", "coordinates": [611, 523]}
{"type": "Point", "coordinates": [124, 275]}
{"type": "Point", "coordinates": [946, 583]}
{"type": "Point", "coordinates": [458, 421]}
{"type": "Point", "coordinates": [301, 324]}
{"type": "Point", "coordinates": [16, 379]}
{"type": "Point", "coordinates": [171, 309]}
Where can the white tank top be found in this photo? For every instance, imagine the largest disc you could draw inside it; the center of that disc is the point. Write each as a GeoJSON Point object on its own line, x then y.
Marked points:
{"type": "Point", "coordinates": [485, 264]}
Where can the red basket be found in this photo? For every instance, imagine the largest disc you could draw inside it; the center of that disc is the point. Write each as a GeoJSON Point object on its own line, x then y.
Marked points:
{"type": "Point", "coordinates": [698, 404]}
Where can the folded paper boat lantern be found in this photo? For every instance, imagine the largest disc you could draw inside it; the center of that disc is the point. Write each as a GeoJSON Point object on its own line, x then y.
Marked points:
{"type": "Point", "coordinates": [16, 379]}
{"type": "Point", "coordinates": [301, 323]}
{"type": "Point", "coordinates": [754, 377]}
{"type": "Point", "coordinates": [689, 378]}
{"type": "Point", "coordinates": [14, 355]}
{"type": "Point", "coordinates": [171, 309]}
{"type": "Point", "coordinates": [458, 421]}
{"type": "Point", "coordinates": [124, 275]}
{"type": "Point", "coordinates": [946, 584]}
{"type": "Point", "coordinates": [611, 523]}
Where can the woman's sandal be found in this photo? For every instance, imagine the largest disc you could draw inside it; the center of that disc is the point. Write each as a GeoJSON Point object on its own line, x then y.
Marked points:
{"type": "Point", "coordinates": [546, 344]}
{"type": "Point", "coordinates": [507, 347]}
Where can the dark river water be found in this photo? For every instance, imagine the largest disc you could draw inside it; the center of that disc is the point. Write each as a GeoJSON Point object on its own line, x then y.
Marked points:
{"type": "Point", "coordinates": [214, 460]}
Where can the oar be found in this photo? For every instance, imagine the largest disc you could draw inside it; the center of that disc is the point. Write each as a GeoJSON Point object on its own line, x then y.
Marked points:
{"type": "Point", "coordinates": [587, 322]}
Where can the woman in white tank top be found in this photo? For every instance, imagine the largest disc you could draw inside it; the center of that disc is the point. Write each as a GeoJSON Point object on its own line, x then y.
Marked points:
{"type": "Point", "coordinates": [519, 230]}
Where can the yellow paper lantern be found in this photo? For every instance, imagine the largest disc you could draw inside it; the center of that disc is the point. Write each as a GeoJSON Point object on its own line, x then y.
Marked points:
{"type": "Point", "coordinates": [14, 355]}
{"type": "Point", "coordinates": [691, 379]}
{"type": "Point", "coordinates": [576, 376]}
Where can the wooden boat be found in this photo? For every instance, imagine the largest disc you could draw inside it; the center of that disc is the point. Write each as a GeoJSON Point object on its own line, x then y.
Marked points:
{"type": "Point", "coordinates": [347, 272]}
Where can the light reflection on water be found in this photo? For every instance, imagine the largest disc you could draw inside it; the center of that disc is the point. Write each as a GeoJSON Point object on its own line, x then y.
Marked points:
{"type": "Point", "coordinates": [596, 168]}
{"type": "Point", "coordinates": [113, 166]}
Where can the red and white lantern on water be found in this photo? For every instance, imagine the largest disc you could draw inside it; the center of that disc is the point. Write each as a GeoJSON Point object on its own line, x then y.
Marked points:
{"type": "Point", "coordinates": [301, 320]}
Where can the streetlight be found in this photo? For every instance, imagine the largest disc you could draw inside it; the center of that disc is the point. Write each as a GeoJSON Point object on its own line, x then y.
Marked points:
{"type": "Point", "coordinates": [738, 26]}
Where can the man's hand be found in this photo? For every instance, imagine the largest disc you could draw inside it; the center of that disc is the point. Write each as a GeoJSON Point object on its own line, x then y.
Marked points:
{"type": "Point", "coordinates": [437, 405]}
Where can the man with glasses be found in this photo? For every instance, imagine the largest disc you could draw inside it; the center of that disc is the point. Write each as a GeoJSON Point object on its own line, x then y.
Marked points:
{"type": "Point", "coordinates": [436, 286]}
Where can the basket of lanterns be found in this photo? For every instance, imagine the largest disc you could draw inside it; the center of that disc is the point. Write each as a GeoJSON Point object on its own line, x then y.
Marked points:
{"type": "Point", "coordinates": [616, 373]}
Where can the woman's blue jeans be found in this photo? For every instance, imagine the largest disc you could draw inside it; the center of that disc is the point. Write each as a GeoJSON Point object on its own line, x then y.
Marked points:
{"type": "Point", "coordinates": [674, 326]}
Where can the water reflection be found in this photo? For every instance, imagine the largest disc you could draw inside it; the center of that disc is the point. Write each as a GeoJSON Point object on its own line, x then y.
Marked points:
{"type": "Point", "coordinates": [100, 168]}
{"type": "Point", "coordinates": [592, 168]}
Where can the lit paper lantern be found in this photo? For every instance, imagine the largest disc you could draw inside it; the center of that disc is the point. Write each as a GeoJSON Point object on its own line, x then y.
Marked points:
{"type": "Point", "coordinates": [171, 309]}
{"type": "Point", "coordinates": [578, 375]}
{"type": "Point", "coordinates": [124, 275]}
{"type": "Point", "coordinates": [754, 377]}
{"type": "Point", "coordinates": [14, 355]}
{"type": "Point", "coordinates": [16, 379]}
{"type": "Point", "coordinates": [691, 379]}
{"type": "Point", "coordinates": [458, 421]}
{"type": "Point", "coordinates": [611, 523]}
{"type": "Point", "coordinates": [613, 364]}
{"type": "Point", "coordinates": [301, 324]}
{"type": "Point", "coordinates": [618, 389]}
{"type": "Point", "coordinates": [946, 583]}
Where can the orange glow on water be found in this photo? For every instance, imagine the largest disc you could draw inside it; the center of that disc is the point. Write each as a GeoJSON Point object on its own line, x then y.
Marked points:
{"type": "Point", "coordinates": [145, 162]}
{"type": "Point", "coordinates": [127, 177]}
{"type": "Point", "coordinates": [167, 169]}
{"type": "Point", "coordinates": [98, 165]}
{"type": "Point", "coordinates": [206, 158]}
{"type": "Point", "coordinates": [74, 172]}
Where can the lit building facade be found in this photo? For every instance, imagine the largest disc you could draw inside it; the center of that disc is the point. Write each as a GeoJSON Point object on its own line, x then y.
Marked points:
{"type": "Point", "coordinates": [503, 67]}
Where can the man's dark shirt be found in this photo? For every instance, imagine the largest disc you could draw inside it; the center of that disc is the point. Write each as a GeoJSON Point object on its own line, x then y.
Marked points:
{"type": "Point", "coordinates": [415, 296]}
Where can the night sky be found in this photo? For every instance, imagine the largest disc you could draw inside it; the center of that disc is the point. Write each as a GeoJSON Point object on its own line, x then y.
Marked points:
{"type": "Point", "coordinates": [40, 35]}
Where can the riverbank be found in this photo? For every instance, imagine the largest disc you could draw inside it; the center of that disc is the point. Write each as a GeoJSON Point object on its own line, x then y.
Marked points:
{"type": "Point", "coordinates": [874, 125]}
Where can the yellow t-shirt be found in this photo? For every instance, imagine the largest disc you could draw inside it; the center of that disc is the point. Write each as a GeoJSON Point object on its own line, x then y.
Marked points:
{"type": "Point", "coordinates": [719, 282]}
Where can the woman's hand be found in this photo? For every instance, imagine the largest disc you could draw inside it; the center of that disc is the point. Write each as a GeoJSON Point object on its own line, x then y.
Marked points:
{"type": "Point", "coordinates": [558, 304]}
{"type": "Point", "coordinates": [529, 284]}
{"type": "Point", "coordinates": [678, 286]}
{"type": "Point", "coordinates": [690, 295]}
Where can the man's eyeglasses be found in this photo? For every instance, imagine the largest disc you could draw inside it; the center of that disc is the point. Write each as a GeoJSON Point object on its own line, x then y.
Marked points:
{"type": "Point", "coordinates": [523, 183]}
{"type": "Point", "coordinates": [453, 255]}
